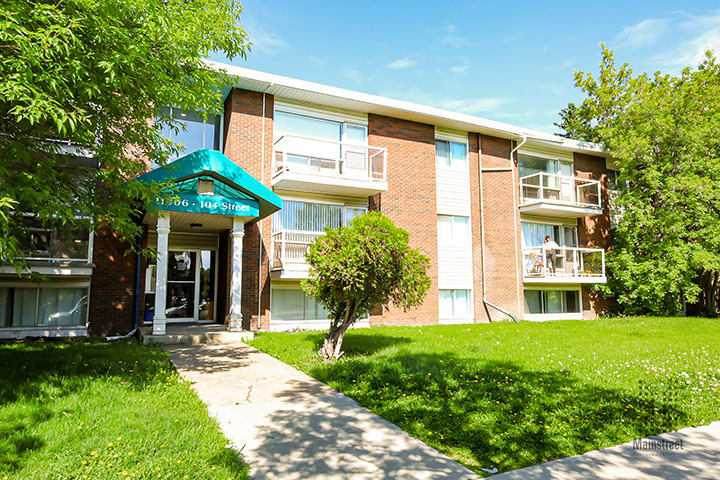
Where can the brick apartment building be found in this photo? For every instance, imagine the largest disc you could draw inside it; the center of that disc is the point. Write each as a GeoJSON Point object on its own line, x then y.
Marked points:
{"type": "Point", "coordinates": [288, 158]}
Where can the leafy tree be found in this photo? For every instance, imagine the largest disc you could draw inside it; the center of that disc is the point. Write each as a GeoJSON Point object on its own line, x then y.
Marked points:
{"type": "Point", "coordinates": [358, 268]}
{"type": "Point", "coordinates": [664, 133]}
{"type": "Point", "coordinates": [85, 78]}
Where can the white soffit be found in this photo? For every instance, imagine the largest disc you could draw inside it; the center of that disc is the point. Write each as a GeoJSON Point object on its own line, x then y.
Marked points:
{"type": "Point", "coordinates": [314, 93]}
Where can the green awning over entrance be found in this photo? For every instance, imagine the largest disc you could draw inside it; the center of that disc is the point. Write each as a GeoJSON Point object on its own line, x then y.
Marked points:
{"type": "Point", "coordinates": [209, 182]}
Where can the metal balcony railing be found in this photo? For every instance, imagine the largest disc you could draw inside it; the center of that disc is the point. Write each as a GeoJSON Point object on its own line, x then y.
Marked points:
{"type": "Point", "coordinates": [290, 247]}
{"type": "Point", "coordinates": [559, 189]}
{"type": "Point", "coordinates": [346, 160]}
{"type": "Point", "coordinates": [570, 262]}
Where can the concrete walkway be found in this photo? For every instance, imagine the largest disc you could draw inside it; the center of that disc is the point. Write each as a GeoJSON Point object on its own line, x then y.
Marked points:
{"type": "Point", "coordinates": [290, 426]}
{"type": "Point", "coordinates": [690, 453]}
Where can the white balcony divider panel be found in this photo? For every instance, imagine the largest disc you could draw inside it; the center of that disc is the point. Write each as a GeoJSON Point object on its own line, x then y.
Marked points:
{"type": "Point", "coordinates": [163, 231]}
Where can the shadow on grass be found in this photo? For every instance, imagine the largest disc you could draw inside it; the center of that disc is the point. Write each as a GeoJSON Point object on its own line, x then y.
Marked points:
{"type": "Point", "coordinates": [357, 344]}
{"type": "Point", "coordinates": [37, 373]}
{"type": "Point", "coordinates": [498, 413]}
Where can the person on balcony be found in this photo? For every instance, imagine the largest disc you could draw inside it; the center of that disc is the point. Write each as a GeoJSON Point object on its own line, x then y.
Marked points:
{"type": "Point", "coordinates": [550, 247]}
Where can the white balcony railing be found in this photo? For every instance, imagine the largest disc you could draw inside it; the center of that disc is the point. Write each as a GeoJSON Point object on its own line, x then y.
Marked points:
{"type": "Point", "coordinates": [551, 188]}
{"type": "Point", "coordinates": [289, 247]}
{"type": "Point", "coordinates": [328, 158]}
{"type": "Point", "coordinates": [570, 263]}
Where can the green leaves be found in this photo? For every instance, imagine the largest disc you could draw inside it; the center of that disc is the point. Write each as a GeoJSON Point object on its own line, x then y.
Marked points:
{"type": "Point", "coordinates": [663, 132]}
{"type": "Point", "coordinates": [92, 75]}
{"type": "Point", "coordinates": [369, 262]}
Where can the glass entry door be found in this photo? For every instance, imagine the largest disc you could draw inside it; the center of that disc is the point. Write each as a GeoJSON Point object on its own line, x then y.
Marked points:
{"type": "Point", "coordinates": [190, 286]}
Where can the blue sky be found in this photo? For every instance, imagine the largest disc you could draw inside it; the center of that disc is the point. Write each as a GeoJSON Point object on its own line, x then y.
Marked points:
{"type": "Point", "coordinates": [511, 62]}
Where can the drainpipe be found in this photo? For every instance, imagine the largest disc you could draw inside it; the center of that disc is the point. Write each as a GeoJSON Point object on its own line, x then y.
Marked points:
{"type": "Point", "coordinates": [137, 282]}
{"type": "Point", "coordinates": [482, 238]}
{"type": "Point", "coordinates": [515, 219]}
{"type": "Point", "coordinates": [260, 223]}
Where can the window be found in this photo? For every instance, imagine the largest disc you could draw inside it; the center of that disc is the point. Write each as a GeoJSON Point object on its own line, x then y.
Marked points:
{"type": "Point", "coordinates": [57, 242]}
{"type": "Point", "coordinates": [533, 234]}
{"type": "Point", "coordinates": [313, 217]}
{"type": "Point", "coordinates": [551, 301]}
{"type": "Point", "coordinates": [614, 182]}
{"type": "Point", "coordinates": [451, 154]}
{"type": "Point", "coordinates": [46, 307]}
{"type": "Point", "coordinates": [194, 132]}
{"type": "Point", "coordinates": [455, 304]}
{"type": "Point", "coordinates": [453, 230]}
{"type": "Point", "coordinates": [295, 304]}
{"type": "Point", "coordinates": [530, 165]}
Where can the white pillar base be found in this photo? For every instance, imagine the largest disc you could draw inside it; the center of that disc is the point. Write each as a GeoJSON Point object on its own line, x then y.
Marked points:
{"type": "Point", "coordinates": [235, 323]}
{"type": "Point", "coordinates": [159, 325]}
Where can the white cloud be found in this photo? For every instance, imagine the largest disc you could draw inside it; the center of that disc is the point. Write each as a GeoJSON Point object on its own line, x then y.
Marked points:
{"type": "Point", "coordinates": [353, 75]}
{"type": "Point", "coordinates": [264, 41]}
{"type": "Point", "coordinates": [459, 69]}
{"type": "Point", "coordinates": [452, 39]}
{"type": "Point", "coordinates": [644, 34]}
{"type": "Point", "coordinates": [705, 35]}
{"type": "Point", "coordinates": [404, 63]}
{"type": "Point", "coordinates": [472, 106]}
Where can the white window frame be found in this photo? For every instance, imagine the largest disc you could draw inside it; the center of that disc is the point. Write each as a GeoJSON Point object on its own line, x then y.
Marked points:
{"type": "Point", "coordinates": [454, 240]}
{"type": "Point", "coordinates": [452, 165]}
{"type": "Point", "coordinates": [454, 315]}
{"type": "Point", "coordinates": [89, 259]}
{"type": "Point", "coordinates": [555, 316]}
{"type": "Point", "coordinates": [71, 284]}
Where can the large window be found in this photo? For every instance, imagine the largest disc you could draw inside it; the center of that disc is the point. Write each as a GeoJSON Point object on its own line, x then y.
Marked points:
{"type": "Point", "coordinates": [455, 304]}
{"type": "Point", "coordinates": [295, 304]}
{"type": "Point", "coordinates": [46, 307]}
{"type": "Point", "coordinates": [451, 154]}
{"type": "Point", "coordinates": [551, 301]}
{"type": "Point", "coordinates": [194, 131]}
{"type": "Point", "coordinates": [533, 234]}
{"type": "Point", "coordinates": [57, 241]}
{"type": "Point", "coordinates": [312, 217]}
{"type": "Point", "coordinates": [453, 229]}
{"type": "Point", "coordinates": [530, 165]}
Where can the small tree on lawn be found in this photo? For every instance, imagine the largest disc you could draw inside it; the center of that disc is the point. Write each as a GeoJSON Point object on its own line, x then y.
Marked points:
{"type": "Point", "coordinates": [357, 268]}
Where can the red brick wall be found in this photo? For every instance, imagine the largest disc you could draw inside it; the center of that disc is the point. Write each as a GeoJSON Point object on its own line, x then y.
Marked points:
{"type": "Point", "coordinates": [502, 231]}
{"type": "Point", "coordinates": [410, 201]}
{"type": "Point", "coordinates": [112, 288]}
{"type": "Point", "coordinates": [243, 141]}
{"type": "Point", "coordinates": [594, 230]}
{"type": "Point", "coordinates": [474, 165]}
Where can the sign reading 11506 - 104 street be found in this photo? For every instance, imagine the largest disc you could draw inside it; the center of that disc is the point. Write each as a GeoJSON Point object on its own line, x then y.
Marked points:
{"type": "Point", "coordinates": [185, 202]}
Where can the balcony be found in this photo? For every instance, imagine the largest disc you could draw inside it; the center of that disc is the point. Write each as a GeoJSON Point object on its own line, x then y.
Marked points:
{"type": "Point", "coordinates": [288, 253]}
{"type": "Point", "coordinates": [305, 163]}
{"type": "Point", "coordinates": [572, 265]}
{"type": "Point", "coordinates": [559, 196]}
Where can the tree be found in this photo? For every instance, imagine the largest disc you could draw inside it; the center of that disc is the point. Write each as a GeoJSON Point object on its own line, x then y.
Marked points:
{"type": "Point", "coordinates": [358, 268]}
{"type": "Point", "coordinates": [87, 78]}
{"type": "Point", "coordinates": [664, 134]}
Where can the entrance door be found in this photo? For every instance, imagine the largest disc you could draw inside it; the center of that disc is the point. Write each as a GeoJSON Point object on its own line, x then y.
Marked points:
{"type": "Point", "coordinates": [190, 286]}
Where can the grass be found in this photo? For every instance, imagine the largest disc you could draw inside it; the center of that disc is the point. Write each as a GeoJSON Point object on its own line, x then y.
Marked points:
{"type": "Point", "coordinates": [91, 409]}
{"type": "Point", "coordinates": [513, 395]}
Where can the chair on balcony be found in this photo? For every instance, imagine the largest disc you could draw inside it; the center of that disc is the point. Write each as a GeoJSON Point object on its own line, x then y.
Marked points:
{"type": "Point", "coordinates": [535, 265]}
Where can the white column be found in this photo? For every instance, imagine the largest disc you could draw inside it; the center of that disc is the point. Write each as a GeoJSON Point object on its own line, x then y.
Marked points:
{"type": "Point", "coordinates": [238, 232]}
{"type": "Point", "coordinates": [163, 230]}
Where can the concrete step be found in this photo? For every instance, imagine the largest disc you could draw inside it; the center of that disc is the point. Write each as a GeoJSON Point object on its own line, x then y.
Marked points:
{"type": "Point", "coordinates": [193, 334]}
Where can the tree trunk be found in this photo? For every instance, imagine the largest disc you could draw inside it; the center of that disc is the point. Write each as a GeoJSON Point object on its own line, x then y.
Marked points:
{"type": "Point", "coordinates": [710, 292]}
{"type": "Point", "coordinates": [331, 349]}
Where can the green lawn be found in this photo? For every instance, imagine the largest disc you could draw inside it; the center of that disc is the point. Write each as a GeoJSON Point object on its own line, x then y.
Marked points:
{"type": "Point", "coordinates": [513, 395]}
{"type": "Point", "coordinates": [76, 409]}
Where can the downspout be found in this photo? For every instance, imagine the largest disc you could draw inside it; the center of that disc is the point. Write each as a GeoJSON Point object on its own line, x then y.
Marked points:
{"type": "Point", "coordinates": [515, 219]}
{"type": "Point", "coordinates": [482, 239]}
{"type": "Point", "coordinates": [137, 282]}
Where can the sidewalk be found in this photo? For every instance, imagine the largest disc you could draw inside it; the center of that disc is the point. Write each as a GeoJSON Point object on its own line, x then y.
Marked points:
{"type": "Point", "coordinates": [291, 426]}
{"type": "Point", "coordinates": [690, 453]}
